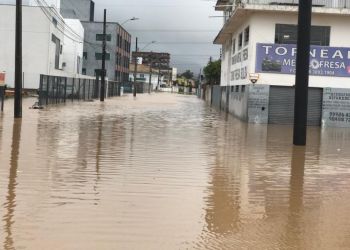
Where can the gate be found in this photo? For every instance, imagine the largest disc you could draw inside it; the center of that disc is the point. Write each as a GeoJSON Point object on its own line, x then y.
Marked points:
{"type": "Point", "coordinates": [281, 105]}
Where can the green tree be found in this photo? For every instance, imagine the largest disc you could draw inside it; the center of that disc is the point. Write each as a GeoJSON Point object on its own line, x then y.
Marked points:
{"type": "Point", "coordinates": [188, 74]}
{"type": "Point", "coordinates": [212, 72]}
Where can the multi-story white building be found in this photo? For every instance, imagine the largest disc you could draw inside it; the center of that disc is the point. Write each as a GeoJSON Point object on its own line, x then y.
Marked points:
{"type": "Point", "coordinates": [259, 42]}
{"type": "Point", "coordinates": [51, 45]}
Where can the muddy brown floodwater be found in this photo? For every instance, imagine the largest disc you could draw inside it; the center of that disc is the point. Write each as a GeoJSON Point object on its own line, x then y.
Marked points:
{"type": "Point", "coordinates": [168, 172]}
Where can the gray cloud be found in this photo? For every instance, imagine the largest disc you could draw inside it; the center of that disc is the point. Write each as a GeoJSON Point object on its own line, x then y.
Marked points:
{"type": "Point", "coordinates": [182, 27]}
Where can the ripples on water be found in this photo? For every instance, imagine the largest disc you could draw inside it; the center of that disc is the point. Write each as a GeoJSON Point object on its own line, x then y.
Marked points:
{"type": "Point", "coordinates": [168, 172]}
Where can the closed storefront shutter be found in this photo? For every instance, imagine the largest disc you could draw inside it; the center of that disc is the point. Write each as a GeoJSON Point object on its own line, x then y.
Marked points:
{"type": "Point", "coordinates": [281, 106]}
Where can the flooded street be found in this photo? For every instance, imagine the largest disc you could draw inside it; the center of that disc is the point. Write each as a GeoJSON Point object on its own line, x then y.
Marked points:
{"type": "Point", "coordinates": [167, 172]}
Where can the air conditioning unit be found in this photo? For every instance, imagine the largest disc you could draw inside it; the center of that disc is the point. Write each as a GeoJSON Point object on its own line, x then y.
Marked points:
{"type": "Point", "coordinates": [62, 66]}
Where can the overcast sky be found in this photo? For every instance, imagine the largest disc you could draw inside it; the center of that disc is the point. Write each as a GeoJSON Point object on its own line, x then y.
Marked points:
{"type": "Point", "coordinates": [180, 27]}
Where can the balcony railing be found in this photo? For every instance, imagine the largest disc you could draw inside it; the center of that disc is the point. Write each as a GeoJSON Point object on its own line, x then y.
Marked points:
{"type": "Point", "coordinates": [337, 4]}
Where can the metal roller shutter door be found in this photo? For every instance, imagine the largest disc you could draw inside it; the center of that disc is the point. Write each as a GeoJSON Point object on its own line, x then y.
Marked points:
{"type": "Point", "coordinates": [281, 106]}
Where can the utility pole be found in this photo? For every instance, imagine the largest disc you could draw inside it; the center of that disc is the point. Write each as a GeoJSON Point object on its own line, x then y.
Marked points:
{"type": "Point", "coordinates": [103, 71]}
{"type": "Point", "coordinates": [135, 68]}
{"type": "Point", "coordinates": [150, 76]}
{"type": "Point", "coordinates": [200, 84]}
{"type": "Point", "coordinates": [158, 86]}
{"type": "Point", "coordinates": [302, 73]}
{"type": "Point", "coordinates": [18, 61]}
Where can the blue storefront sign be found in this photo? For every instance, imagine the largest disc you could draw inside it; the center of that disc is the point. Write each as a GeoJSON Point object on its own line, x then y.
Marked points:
{"type": "Point", "coordinates": [281, 59]}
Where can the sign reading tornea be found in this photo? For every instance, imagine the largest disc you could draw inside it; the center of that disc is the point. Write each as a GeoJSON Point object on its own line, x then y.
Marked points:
{"type": "Point", "coordinates": [324, 61]}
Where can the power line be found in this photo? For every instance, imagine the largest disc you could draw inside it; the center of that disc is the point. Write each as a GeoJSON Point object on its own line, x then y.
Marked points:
{"type": "Point", "coordinates": [172, 30]}
{"type": "Point", "coordinates": [179, 43]}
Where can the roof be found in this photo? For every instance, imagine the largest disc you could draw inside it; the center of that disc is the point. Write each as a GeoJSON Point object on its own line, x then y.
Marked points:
{"type": "Point", "coordinates": [222, 4]}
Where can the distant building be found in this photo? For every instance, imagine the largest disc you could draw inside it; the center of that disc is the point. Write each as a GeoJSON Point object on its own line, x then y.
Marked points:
{"type": "Point", "coordinates": [160, 61]}
{"type": "Point", "coordinates": [51, 45]}
{"type": "Point", "coordinates": [118, 41]}
{"type": "Point", "coordinates": [144, 74]}
{"type": "Point", "coordinates": [156, 59]}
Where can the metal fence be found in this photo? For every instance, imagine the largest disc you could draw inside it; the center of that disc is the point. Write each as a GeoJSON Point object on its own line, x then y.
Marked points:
{"type": "Point", "coordinates": [141, 87]}
{"type": "Point", "coordinates": [113, 89]}
{"type": "Point", "coordinates": [56, 89]}
{"type": "Point", "coordinates": [2, 97]}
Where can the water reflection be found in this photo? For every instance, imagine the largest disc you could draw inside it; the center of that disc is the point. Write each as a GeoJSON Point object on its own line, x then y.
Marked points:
{"type": "Point", "coordinates": [169, 172]}
{"type": "Point", "coordinates": [10, 204]}
{"type": "Point", "coordinates": [294, 231]}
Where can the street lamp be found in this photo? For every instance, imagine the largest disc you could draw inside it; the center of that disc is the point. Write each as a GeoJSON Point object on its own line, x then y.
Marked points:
{"type": "Point", "coordinates": [130, 19]}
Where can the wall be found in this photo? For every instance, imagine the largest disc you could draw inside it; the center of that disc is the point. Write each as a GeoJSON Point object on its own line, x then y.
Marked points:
{"type": "Point", "coordinates": [236, 73]}
{"type": "Point", "coordinates": [238, 103]}
{"type": "Point", "coordinates": [37, 45]}
{"type": "Point", "coordinates": [73, 48]}
{"type": "Point", "coordinates": [258, 103]}
{"type": "Point", "coordinates": [91, 46]}
{"type": "Point", "coordinates": [207, 93]}
{"type": "Point", "coordinates": [76, 9]}
{"type": "Point", "coordinates": [216, 96]}
{"type": "Point", "coordinates": [336, 108]}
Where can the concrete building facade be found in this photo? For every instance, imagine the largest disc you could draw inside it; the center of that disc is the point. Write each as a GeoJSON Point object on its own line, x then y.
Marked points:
{"type": "Point", "coordinates": [160, 61]}
{"type": "Point", "coordinates": [51, 45]}
{"type": "Point", "coordinates": [84, 10]}
{"type": "Point", "coordinates": [118, 41]}
{"type": "Point", "coordinates": [118, 50]}
{"type": "Point", "coordinates": [144, 74]}
{"type": "Point", "coordinates": [258, 41]}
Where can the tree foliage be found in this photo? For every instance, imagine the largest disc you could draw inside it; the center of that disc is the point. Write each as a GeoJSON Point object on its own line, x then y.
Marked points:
{"type": "Point", "coordinates": [212, 72]}
{"type": "Point", "coordinates": [188, 74]}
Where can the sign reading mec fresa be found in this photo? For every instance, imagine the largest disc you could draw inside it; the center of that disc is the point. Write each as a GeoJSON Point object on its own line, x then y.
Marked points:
{"type": "Point", "coordinates": [324, 61]}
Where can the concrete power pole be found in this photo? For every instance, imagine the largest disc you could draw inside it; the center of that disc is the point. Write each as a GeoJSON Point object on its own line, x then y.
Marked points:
{"type": "Point", "coordinates": [103, 71]}
{"type": "Point", "coordinates": [150, 76]}
{"type": "Point", "coordinates": [18, 61]}
{"type": "Point", "coordinates": [302, 73]}
{"type": "Point", "coordinates": [135, 68]}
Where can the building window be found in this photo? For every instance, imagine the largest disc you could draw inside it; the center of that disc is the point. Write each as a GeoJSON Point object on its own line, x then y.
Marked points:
{"type": "Point", "coordinates": [85, 57]}
{"type": "Point", "coordinates": [83, 71]}
{"type": "Point", "coordinates": [243, 88]}
{"type": "Point", "coordinates": [240, 41]}
{"type": "Point", "coordinates": [237, 89]}
{"type": "Point", "coordinates": [78, 64]}
{"type": "Point", "coordinates": [98, 56]}
{"type": "Point", "coordinates": [233, 46]}
{"type": "Point", "coordinates": [99, 37]}
{"type": "Point", "coordinates": [288, 34]}
{"type": "Point", "coordinates": [54, 21]}
{"type": "Point", "coordinates": [57, 43]}
{"type": "Point", "coordinates": [246, 36]}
